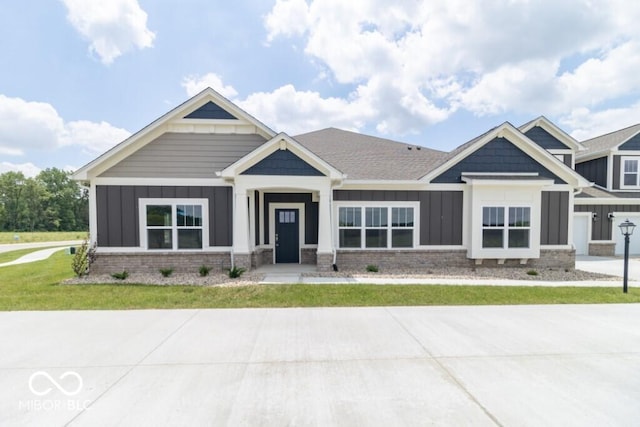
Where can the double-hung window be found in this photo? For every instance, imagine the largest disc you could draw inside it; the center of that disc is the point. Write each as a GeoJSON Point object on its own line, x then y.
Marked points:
{"type": "Point", "coordinates": [169, 224]}
{"type": "Point", "coordinates": [376, 227]}
{"type": "Point", "coordinates": [506, 227]}
{"type": "Point", "coordinates": [630, 175]}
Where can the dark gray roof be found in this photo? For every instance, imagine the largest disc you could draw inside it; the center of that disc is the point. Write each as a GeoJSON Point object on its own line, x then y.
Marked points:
{"type": "Point", "coordinates": [599, 193]}
{"type": "Point", "coordinates": [369, 157]}
{"type": "Point", "coordinates": [603, 143]}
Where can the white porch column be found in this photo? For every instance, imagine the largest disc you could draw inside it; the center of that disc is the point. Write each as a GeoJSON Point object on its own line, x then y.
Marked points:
{"type": "Point", "coordinates": [252, 220]}
{"type": "Point", "coordinates": [241, 222]}
{"type": "Point", "coordinates": [325, 234]}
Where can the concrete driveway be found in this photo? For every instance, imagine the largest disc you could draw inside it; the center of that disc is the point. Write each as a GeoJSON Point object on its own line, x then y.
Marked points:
{"type": "Point", "coordinates": [507, 365]}
{"type": "Point", "coordinates": [609, 265]}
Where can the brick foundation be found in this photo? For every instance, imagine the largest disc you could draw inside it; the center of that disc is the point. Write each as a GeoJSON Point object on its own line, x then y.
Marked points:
{"type": "Point", "coordinates": [387, 261]}
{"type": "Point", "coordinates": [422, 261]}
{"type": "Point", "coordinates": [108, 263]}
{"type": "Point", "coordinates": [602, 248]}
{"type": "Point", "coordinates": [324, 262]}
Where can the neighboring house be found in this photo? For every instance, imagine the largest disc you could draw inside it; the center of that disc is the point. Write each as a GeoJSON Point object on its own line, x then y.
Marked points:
{"type": "Point", "coordinates": [612, 162]}
{"type": "Point", "coordinates": [208, 184]}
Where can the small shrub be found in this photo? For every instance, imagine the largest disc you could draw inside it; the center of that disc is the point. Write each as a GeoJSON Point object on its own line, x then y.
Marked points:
{"type": "Point", "coordinates": [204, 270]}
{"type": "Point", "coordinates": [532, 273]}
{"type": "Point", "coordinates": [166, 272]}
{"type": "Point", "coordinates": [120, 276]}
{"type": "Point", "coordinates": [83, 258]}
{"type": "Point", "coordinates": [236, 272]}
{"type": "Point", "coordinates": [372, 268]}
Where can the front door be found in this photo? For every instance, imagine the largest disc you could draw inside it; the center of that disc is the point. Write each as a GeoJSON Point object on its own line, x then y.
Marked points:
{"type": "Point", "coordinates": [287, 236]}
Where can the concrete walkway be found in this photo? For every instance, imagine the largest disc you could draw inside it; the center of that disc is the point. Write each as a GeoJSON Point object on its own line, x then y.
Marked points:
{"type": "Point", "coordinates": [36, 255]}
{"type": "Point", "coordinates": [569, 365]}
{"type": "Point", "coordinates": [608, 265]}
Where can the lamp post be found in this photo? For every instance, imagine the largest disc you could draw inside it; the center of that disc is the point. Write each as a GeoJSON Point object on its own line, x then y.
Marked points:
{"type": "Point", "coordinates": [627, 230]}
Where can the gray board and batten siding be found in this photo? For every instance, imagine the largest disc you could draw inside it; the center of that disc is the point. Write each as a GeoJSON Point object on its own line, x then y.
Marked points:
{"type": "Point", "coordinates": [440, 211]}
{"type": "Point", "coordinates": [544, 139]}
{"type": "Point", "coordinates": [282, 162]}
{"type": "Point", "coordinates": [310, 211]}
{"type": "Point", "coordinates": [601, 228]}
{"type": "Point", "coordinates": [117, 211]}
{"type": "Point", "coordinates": [632, 143]}
{"type": "Point", "coordinates": [186, 155]}
{"type": "Point", "coordinates": [594, 170]}
{"type": "Point", "coordinates": [554, 227]}
{"type": "Point", "coordinates": [498, 156]}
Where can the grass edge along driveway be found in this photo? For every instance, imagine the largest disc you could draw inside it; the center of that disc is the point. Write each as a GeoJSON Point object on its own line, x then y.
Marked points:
{"type": "Point", "coordinates": [36, 286]}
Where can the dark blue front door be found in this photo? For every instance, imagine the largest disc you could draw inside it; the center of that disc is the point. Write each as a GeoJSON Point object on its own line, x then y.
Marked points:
{"type": "Point", "coordinates": [287, 236]}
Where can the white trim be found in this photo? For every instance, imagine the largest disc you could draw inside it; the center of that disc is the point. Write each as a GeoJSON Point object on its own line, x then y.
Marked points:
{"type": "Point", "coordinates": [555, 131]}
{"type": "Point", "coordinates": [553, 247]}
{"type": "Point", "coordinates": [537, 153]}
{"type": "Point", "coordinates": [281, 141]}
{"type": "Point", "coordinates": [610, 172]}
{"type": "Point", "coordinates": [93, 215]}
{"type": "Point", "coordinates": [139, 250]}
{"type": "Point", "coordinates": [337, 204]}
{"type": "Point", "coordinates": [190, 182]}
{"type": "Point", "coordinates": [607, 201]}
{"type": "Point", "coordinates": [301, 225]}
{"type": "Point", "coordinates": [587, 215]}
{"type": "Point", "coordinates": [142, 222]}
{"type": "Point", "coordinates": [623, 159]}
{"type": "Point", "coordinates": [162, 125]}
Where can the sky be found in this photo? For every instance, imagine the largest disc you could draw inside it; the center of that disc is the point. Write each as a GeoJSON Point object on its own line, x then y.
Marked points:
{"type": "Point", "coordinates": [79, 76]}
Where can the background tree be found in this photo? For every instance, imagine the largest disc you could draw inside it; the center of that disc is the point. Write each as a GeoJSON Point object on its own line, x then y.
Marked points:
{"type": "Point", "coordinates": [51, 201]}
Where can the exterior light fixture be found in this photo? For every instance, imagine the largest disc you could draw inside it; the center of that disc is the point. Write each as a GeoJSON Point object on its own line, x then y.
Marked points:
{"type": "Point", "coordinates": [626, 228]}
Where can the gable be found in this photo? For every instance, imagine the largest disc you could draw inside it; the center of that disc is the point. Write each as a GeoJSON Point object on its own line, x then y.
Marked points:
{"type": "Point", "coordinates": [282, 162]}
{"type": "Point", "coordinates": [184, 155]}
{"type": "Point", "coordinates": [544, 139]}
{"type": "Point", "coordinates": [211, 110]}
{"type": "Point", "coordinates": [497, 156]}
{"type": "Point", "coordinates": [632, 143]}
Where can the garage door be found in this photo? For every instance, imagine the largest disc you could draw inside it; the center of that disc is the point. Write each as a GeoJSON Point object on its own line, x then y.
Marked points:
{"type": "Point", "coordinates": [634, 242]}
{"type": "Point", "coordinates": [581, 234]}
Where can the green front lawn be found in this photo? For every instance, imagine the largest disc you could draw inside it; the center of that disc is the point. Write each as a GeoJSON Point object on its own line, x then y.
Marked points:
{"type": "Point", "coordinates": [36, 286]}
{"type": "Point", "coordinates": [41, 236]}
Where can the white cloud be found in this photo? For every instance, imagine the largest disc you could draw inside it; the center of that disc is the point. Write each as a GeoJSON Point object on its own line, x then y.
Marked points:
{"type": "Point", "coordinates": [288, 18]}
{"type": "Point", "coordinates": [112, 26]}
{"type": "Point", "coordinates": [26, 126]}
{"type": "Point", "coordinates": [28, 169]}
{"type": "Point", "coordinates": [588, 124]}
{"type": "Point", "coordinates": [195, 84]}
{"type": "Point", "coordinates": [413, 63]}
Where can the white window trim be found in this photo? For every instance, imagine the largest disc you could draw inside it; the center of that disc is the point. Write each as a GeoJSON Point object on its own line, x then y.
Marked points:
{"type": "Point", "coordinates": [505, 227]}
{"type": "Point", "coordinates": [623, 159]}
{"type": "Point", "coordinates": [380, 204]}
{"type": "Point", "coordinates": [142, 222]}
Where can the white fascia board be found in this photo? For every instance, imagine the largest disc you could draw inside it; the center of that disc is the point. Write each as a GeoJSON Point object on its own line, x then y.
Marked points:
{"type": "Point", "coordinates": [606, 201]}
{"type": "Point", "coordinates": [507, 183]}
{"type": "Point", "coordinates": [157, 128]}
{"type": "Point", "coordinates": [282, 141]}
{"type": "Point", "coordinates": [190, 182]}
{"type": "Point", "coordinates": [506, 130]}
{"type": "Point", "coordinates": [592, 156]}
{"type": "Point", "coordinates": [555, 131]}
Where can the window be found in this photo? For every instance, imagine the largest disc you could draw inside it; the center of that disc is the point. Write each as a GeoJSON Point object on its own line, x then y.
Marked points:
{"type": "Point", "coordinates": [630, 173]}
{"type": "Point", "coordinates": [375, 227]}
{"type": "Point", "coordinates": [503, 233]}
{"type": "Point", "coordinates": [173, 225]}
